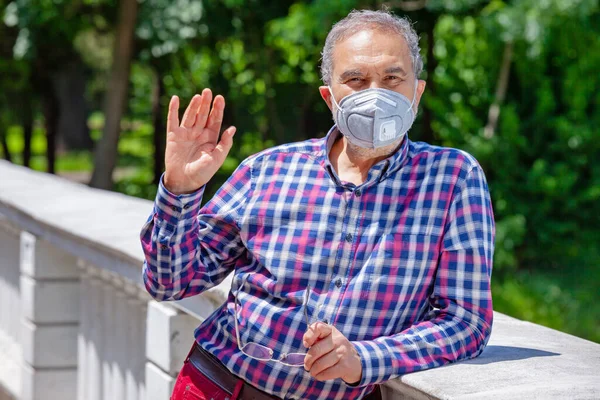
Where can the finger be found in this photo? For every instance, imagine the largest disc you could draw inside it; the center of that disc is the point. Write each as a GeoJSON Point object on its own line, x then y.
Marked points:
{"type": "Point", "coordinates": [190, 113]}
{"type": "Point", "coordinates": [216, 117]}
{"type": "Point", "coordinates": [324, 363]}
{"type": "Point", "coordinates": [332, 372]}
{"type": "Point", "coordinates": [318, 350]}
{"type": "Point", "coordinates": [202, 114]}
{"type": "Point", "coordinates": [316, 331]}
{"type": "Point", "coordinates": [173, 115]}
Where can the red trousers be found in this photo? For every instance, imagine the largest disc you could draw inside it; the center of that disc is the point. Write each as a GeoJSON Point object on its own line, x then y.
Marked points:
{"type": "Point", "coordinates": [203, 377]}
{"type": "Point", "coordinates": [191, 384]}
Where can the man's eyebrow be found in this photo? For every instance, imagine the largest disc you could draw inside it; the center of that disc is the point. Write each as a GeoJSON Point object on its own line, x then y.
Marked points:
{"type": "Point", "coordinates": [395, 70]}
{"type": "Point", "coordinates": [351, 73]}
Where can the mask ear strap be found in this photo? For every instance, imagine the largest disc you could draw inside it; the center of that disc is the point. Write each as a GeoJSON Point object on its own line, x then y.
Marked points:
{"type": "Point", "coordinates": [333, 99]}
{"type": "Point", "coordinates": [414, 96]}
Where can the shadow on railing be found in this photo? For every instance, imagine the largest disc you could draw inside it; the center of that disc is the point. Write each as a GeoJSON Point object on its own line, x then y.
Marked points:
{"type": "Point", "coordinates": [76, 323]}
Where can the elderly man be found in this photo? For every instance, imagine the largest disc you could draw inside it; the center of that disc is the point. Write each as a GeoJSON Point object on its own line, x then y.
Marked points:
{"type": "Point", "coordinates": [356, 258]}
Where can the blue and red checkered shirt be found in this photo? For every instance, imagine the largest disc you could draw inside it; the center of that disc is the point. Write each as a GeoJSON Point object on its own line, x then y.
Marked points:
{"type": "Point", "coordinates": [400, 265]}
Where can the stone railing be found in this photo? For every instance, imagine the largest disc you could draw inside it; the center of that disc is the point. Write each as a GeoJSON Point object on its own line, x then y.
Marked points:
{"type": "Point", "coordinates": [76, 322]}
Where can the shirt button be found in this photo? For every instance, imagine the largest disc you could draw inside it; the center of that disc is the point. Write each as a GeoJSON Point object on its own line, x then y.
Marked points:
{"type": "Point", "coordinates": [338, 283]}
{"type": "Point", "coordinates": [174, 208]}
{"type": "Point", "coordinates": [164, 246]}
{"type": "Point", "coordinates": [349, 238]}
{"type": "Point", "coordinates": [358, 192]}
{"type": "Point", "coordinates": [186, 206]}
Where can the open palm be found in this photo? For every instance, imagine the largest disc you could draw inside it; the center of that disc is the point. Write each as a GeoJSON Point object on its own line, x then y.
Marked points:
{"type": "Point", "coordinates": [193, 152]}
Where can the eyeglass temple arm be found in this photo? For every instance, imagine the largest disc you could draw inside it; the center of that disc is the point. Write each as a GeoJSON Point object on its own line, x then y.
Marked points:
{"type": "Point", "coordinates": [306, 295]}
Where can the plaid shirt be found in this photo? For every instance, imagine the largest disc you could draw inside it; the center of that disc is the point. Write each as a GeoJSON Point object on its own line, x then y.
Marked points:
{"type": "Point", "coordinates": [400, 265]}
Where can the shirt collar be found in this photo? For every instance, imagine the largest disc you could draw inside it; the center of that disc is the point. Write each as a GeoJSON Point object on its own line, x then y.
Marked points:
{"type": "Point", "coordinates": [383, 168]}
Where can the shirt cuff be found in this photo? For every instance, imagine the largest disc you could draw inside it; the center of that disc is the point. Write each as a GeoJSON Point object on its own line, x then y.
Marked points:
{"type": "Point", "coordinates": [172, 208]}
{"type": "Point", "coordinates": [373, 360]}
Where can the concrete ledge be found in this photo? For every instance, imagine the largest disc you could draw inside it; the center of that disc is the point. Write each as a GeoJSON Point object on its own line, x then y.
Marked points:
{"type": "Point", "coordinates": [521, 361]}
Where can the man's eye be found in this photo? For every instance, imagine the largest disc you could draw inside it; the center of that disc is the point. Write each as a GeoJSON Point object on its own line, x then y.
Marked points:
{"type": "Point", "coordinates": [355, 80]}
{"type": "Point", "coordinates": [392, 78]}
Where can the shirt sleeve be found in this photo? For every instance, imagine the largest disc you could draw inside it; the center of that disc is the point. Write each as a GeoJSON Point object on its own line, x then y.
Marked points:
{"type": "Point", "coordinates": [459, 322]}
{"type": "Point", "coordinates": [188, 249]}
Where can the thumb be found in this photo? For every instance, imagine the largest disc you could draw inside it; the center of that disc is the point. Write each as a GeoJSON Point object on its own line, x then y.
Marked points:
{"type": "Point", "coordinates": [222, 149]}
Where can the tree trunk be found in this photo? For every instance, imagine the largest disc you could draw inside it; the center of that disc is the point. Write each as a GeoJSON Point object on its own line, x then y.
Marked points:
{"type": "Point", "coordinates": [501, 88]}
{"type": "Point", "coordinates": [72, 125]}
{"type": "Point", "coordinates": [428, 135]}
{"type": "Point", "coordinates": [116, 96]}
{"type": "Point", "coordinates": [5, 148]}
{"type": "Point", "coordinates": [27, 129]}
{"type": "Point", "coordinates": [160, 130]}
{"type": "Point", "coordinates": [51, 112]}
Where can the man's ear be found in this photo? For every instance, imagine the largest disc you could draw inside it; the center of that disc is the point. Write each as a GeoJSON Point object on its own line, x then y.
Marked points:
{"type": "Point", "coordinates": [326, 95]}
{"type": "Point", "coordinates": [420, 89]}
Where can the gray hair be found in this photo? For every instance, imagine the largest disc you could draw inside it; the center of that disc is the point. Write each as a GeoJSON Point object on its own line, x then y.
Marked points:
{"type": "Point", "coordinates": [366, 19]}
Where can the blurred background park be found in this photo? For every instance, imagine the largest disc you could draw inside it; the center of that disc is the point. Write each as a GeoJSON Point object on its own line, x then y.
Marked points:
{"type": "Point", "coordinates": [84, 88]}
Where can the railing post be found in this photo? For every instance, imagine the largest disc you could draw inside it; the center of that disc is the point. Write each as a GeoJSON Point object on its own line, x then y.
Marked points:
{"type": "Point", "coordinates": [120, 343]}
{"type": "Point", "coordinates": [10, 312]}
{"type": "Point", "coordinates": [169, 336]}
{"type": "Point", "coordinates": [108, 328]}
{"type": "Point", "coordinates": [50, 300]}
{"type": "Point", "coordinates": [135, 315]}
{"type": "Point", "coordinates": [83, 336]}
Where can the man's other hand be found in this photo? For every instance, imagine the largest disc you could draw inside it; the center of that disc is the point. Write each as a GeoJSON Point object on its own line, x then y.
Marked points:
{"type": "Point", "coordinates": [330, 354]}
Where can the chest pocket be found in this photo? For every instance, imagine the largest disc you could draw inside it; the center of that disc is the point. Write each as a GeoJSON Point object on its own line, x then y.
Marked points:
{"type": "Point", "coordinates": [289, 250]}
{"type": "Point", "coordinates": [396, 281]}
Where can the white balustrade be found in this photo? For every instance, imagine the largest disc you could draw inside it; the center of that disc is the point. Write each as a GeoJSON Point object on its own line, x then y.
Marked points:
{"type": "Point", "coordinates": [76, 322]}
{"type": "Point", "coordinates": [111, 337]}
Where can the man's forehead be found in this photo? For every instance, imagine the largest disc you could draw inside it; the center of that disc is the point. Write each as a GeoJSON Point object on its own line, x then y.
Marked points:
{"type": "Point", "coordinates": [372, 47]}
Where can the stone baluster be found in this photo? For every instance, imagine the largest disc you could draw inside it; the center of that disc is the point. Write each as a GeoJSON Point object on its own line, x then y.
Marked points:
{"type": "Point", "coordinates": [120, 342]}
{"type": "Point", "coordinates": [83, 336]}
{"type": "Point", "coordinates": [10, 311]}
{"type": "Point", "coordinates": [140, 354]}
{"type": "Point", "coordinates": [10, 298]}
{"type": "Point", "coordinates": [108, 328]}
{"type": "Point", "coordinates": [95, 343]}
{"type": "Point", "coordinates": [170, 335]}
{"type": "Point", "coordinates": [50, 307]}
{"type": "Point", "coordinates": [135, 339]}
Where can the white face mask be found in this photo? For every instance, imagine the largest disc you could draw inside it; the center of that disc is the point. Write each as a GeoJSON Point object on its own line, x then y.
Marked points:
{"type": "Point", "coordinates": [374, 118]}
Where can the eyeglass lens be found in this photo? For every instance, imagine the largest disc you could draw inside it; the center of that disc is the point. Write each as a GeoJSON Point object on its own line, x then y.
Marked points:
{"type": "Point", "coordinates": [263, 353]}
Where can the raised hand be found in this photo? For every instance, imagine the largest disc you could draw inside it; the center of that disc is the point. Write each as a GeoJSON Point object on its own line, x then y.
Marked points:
{"type": "Point", "coordinates": [193, 155]}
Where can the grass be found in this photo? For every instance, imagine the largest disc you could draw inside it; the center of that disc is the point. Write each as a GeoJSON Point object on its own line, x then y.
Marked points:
{"type": "Point", "coordinates": [135, 151]}
{"type": "Point", "coordinates": [565, 301]}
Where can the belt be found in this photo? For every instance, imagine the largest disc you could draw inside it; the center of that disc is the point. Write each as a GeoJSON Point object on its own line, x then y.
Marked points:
{"type": "Point", "coordinates": [212, 368]}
